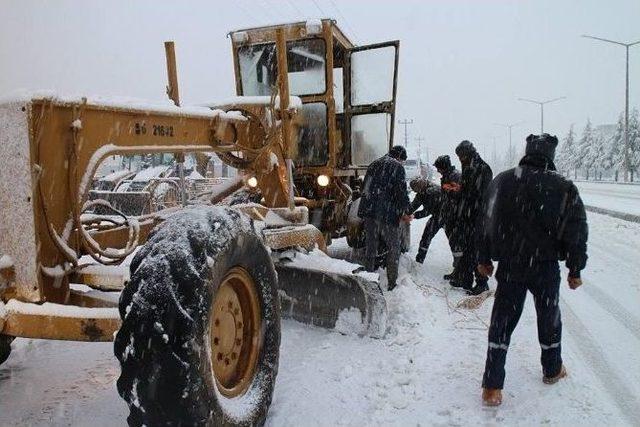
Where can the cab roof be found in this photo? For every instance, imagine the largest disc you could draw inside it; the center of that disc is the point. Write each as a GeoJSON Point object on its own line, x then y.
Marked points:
{"type": "Point", "coordinates": [293, 30]}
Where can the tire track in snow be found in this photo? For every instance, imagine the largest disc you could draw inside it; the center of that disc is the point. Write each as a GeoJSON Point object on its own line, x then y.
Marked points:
{"type": "Point", "coordinates": [614, 308]}
{"type": "Point", "coordinates": [621, 395]}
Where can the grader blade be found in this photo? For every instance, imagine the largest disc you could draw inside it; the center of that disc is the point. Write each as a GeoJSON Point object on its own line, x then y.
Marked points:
{"type": "Point", "coordinates": [348, 303]}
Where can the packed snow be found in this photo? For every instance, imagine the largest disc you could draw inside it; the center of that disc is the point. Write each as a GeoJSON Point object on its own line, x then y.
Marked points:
{"type": "Point", "coordinates": [425, 371]}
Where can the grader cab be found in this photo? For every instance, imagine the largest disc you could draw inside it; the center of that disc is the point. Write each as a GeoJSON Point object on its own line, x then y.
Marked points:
{"type": "Point", "coordinates": [346, 119]}
{"type": "Point", "coordinates": [203, 286]}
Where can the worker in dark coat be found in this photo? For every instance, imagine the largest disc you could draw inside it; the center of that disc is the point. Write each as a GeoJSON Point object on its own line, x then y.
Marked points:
{"type": "Point", "coordinates": [429, 198]}
{"type": "Point", "coordinates": [384, 204]}
{"type": "Point", "coordinates": [532, 218]}
{"type": "Point", "coordinates": [476, 176]}
{"type": "Point", "coordinates": [450, 186]}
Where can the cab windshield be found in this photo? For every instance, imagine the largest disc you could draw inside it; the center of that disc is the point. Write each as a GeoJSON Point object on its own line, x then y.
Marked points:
{"type": "Point", "coordinates": [258, 69]}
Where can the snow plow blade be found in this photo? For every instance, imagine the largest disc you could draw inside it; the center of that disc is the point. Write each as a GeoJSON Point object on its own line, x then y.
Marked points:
{"type": "Point", "coordinates": [347, 302]}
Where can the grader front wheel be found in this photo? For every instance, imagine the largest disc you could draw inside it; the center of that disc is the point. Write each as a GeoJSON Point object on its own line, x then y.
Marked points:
{"type": "Point", "coordinates": [235, 332]}
{"type": "Point", "coordinates": [199, 342]}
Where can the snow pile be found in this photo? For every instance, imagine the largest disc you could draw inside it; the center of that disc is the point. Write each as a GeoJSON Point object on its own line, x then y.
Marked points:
{"type": "Point", "coordinates": [314, 26]}
{"type": "Point", "coordinates": [272, 219]}
{"type": "Point", "coordinates": [6, 262]}
{"type": "Point", "coordinates": [76, 124]}
{"type": "Point", "coordinates": [194, 175]}
{"type": "Point", "coordinates": [116, 176]}
{"type": "Point", "coordinates": [51, 309]}
{"type": "Point", "coordinates": [152, 172]}
{"type": "Point", "coordinates": [238, 101]}
{"type": "Point", "coordinates": [107, 270]}
{"type": "Point", "coordinates": [273, 160]}
{"type": "Point", "coordinates": [114, 102]}
{"type": "Point", "coordinates": [318, 260]}
{"type": "Point", "coordinates": [350, 322]}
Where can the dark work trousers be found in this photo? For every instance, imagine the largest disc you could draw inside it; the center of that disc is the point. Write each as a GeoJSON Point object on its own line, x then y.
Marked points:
{"type": "Point", "coordinates": [430, 230]}
{"type": "Point", "coordinates": [467, 267]}
{"type": "Point", "coordinates": [377, 231]}
{"type": "Point", "coordinates": [434, 224]}
{"type": "Point", "coordinates": [543, 281]}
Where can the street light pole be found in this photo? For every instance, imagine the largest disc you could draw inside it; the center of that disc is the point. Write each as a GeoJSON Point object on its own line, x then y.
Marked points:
{"type": "Point", "coordinates": [626, 101]}
{"type": "Point", "coordinates": [509, 126]}
{"type": "Point", "coordinates": [541, 104]}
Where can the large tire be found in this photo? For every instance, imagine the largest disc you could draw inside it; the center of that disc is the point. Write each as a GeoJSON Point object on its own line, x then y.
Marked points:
{"type": "Point", "coordinates": [5, 347]}
{"type": "Point", "coordinates": [169, 335]}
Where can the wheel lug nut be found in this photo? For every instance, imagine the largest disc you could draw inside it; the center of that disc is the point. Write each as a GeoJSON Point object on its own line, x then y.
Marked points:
{"type": "Point", "coordinates": [217, 322]}
{"type": "Point", "coordinates": [238, 341]}
{"type": "Point", "coordinates": [216, 341]}
{"type": "Point", "coordinates": [226, 361]}
{"type": "Point", "coordinates": [219, 356]}
{"type": "Point", "coordinates": [239, 325]}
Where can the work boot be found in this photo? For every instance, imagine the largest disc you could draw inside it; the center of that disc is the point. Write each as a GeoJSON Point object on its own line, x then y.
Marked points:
{"type": "Point", "coordinates": [556, 378]}
{"type": "Point", "coordinates": [457, 284]}
{"type": "Point", "coordinates": [360, 269]}
{"type": "Point", "coordinates": [478, 289]}
{"type": "Point", "coordinates": [449, 276]}
{"type": "Point", "coordinates": [491, 396]}
{"type": "Point", "coordinates": [420, 256]}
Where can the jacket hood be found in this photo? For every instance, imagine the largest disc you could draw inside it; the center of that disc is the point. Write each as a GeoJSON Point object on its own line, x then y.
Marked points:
{"type": "Point", "coordinates": [542, 145]}
{"type": "Point", "coordinates": [537, 161]}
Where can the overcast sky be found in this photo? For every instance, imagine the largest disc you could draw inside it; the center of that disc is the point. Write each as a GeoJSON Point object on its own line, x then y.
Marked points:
{"type": "Point", "coordinates": [463, 64]}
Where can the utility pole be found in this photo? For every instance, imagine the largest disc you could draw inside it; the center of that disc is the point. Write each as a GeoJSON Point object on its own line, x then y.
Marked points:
{"type": "Point", "coordinates": [626, 102]}
{"type": "Point", "coordinates": [405, 123]}
{"type": "Point", "coordinates": [509, 126]}
{"type": "Point", "coordinates": [541, 104]}
{"type": "Point", "coordinates": [493, 155]}
{"type": "Point", "coordinates": [420, 140]}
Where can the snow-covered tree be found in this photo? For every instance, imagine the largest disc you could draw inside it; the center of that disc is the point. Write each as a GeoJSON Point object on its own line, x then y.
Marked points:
{"type": "Point", "coordinates": [616, 147]}
{"type": "Point", "coordinates": [582, 148]}
{"type": "Point", "coordinates": [596, 156]}
{"type": "Point", "coordinates": [565, 158]}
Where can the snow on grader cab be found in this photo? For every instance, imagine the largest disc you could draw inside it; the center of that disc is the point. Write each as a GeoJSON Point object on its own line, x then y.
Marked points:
{"type": "Point", "coordinates": [197, 325]}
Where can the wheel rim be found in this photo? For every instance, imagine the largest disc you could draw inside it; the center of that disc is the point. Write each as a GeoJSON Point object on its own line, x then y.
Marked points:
{"type": "Point", "coordinates": [235, 333]}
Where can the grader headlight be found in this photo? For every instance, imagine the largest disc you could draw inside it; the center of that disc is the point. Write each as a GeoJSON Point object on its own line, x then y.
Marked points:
{"type": "Point", "coordinates": [323, 180]}
{"type": "Point", "coordinates": [252, 182]}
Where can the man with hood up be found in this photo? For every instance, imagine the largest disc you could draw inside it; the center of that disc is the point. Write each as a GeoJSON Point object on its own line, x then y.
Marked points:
{"type": "Point", "coordinates": [476, 176]}
{"type": "Point", "coordinates": [532, 218]}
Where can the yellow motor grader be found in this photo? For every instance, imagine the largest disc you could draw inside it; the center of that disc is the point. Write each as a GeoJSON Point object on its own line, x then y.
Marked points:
{"type": "Point", "coordinates": [197, 326]}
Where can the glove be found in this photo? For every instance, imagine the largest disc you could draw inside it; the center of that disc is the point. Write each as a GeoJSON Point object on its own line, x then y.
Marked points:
{"type": "Point", "coordinates": [485, 270]}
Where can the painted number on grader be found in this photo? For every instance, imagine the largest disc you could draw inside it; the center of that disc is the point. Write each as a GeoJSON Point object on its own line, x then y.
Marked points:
{"type": "Point", "coordinates": [158, 130]}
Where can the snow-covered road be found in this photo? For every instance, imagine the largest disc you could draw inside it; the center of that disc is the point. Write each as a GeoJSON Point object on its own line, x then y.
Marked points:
{"type": "Point", "coordinates": [617, 197]}
{"type": "Point", "coordinates": [426, 371]}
